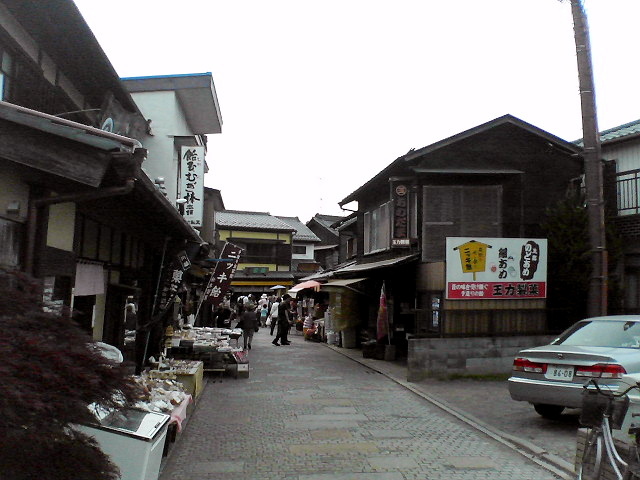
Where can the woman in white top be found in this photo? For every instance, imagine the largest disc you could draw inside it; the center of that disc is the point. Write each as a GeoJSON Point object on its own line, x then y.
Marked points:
{"type": "Point", "coordinates": [274, 314]}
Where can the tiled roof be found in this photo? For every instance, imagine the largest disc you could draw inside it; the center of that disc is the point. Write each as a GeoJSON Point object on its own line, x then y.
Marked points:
{"type": "Point", "coordinates": [251, 220]}
{"type": "Point", "coordinates": [615, 133]}
{"type": "Point", "coordinates": [327, 220]}
{"type": "Point", "coordinates": [303, 233]}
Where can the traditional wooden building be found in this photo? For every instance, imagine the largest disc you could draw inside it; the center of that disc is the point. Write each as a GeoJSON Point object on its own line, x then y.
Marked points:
{"type": "Point", "coordinates": [494, 180]}
{"type": "Point", "coordinates": [267, 243]}
{"type": "Point", "coordinates": [303, 245]}
{"type": "Point", "coordinates": [77, 209]}
{"type": "Point", "coordinates": [326, 251]}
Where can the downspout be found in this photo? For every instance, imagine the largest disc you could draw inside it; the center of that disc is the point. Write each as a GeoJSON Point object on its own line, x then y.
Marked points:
{"type": "Point", "coordinates": [37, 203]}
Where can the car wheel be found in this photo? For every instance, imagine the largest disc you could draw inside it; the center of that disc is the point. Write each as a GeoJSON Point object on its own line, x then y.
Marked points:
{"type": "Point", "coordinates": [548, 411]}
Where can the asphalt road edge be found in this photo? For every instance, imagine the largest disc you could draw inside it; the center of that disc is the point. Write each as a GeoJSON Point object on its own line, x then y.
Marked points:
{"type": "Point", "coordinates": [536, 454]}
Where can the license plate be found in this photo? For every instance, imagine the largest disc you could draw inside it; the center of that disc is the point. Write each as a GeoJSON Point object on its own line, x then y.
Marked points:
{"type": "Point", "coordinates": [559, 372]}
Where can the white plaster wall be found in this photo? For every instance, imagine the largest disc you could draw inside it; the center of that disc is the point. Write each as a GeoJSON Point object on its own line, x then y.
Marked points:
{"type": "Point", "coordinates": [61, 227]}
{"type": "Point", "coordinates": [167, 121]}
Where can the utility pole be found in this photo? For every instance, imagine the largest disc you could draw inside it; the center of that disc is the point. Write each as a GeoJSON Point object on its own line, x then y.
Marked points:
{"type": "Point", "coordinates": [597, 302]}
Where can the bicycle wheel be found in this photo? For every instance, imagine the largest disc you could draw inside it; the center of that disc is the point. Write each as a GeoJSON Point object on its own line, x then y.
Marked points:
{"type": "Point", "coordinates": [591, 462]}
{"type": "Point", "coordinates": [632, 472]}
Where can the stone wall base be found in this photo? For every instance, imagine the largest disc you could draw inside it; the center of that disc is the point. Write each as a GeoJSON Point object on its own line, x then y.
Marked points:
{"type": "Point", "coordinates": [442, 357]}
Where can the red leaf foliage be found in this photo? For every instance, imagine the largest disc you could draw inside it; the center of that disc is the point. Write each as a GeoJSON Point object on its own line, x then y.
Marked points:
{"type": "Point", "coordinates": [50, 374]}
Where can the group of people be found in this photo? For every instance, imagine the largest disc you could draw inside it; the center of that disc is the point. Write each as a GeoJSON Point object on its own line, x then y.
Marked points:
{"type": "Point", "coordinates": [277, 312]}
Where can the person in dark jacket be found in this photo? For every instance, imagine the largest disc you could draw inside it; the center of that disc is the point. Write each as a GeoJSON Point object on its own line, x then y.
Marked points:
{"type": "Point", "coordinates": [249, 323]}
{"type": "Point", "coordinates": [283, 321]}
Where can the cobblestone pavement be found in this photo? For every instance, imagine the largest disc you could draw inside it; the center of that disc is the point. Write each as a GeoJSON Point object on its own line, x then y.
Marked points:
{"type": "Point", "coordinates": [309, 413]}
{"type": "Point", "coordinates": [487, 404]}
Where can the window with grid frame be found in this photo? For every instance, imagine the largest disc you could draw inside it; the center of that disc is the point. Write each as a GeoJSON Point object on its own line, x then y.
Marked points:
{"type": "Point", "coordinates": [458, 211]}
{"type": "Point", "coordinates": [377, 228]}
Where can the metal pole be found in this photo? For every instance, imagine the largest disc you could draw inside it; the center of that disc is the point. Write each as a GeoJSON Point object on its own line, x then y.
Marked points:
{"type": "Point", "coordinates": [597, 301]}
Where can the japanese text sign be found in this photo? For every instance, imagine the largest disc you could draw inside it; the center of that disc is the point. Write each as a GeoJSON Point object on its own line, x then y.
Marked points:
{"type": "Point", "coordinates": [192, 184]}
{"type": "Point", "coordinates": [496, 268]}
{"type": "Point", "coordinates": [222, 274]}
{"type": "Point", "coordinates": [172, 279]}
{"type": "Point", "coordinates": [400, 216]}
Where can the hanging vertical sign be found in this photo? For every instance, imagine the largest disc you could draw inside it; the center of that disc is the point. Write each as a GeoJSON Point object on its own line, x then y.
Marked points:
{"type": "Point", "coordinates": [400, 230]}
{"type": "Point", "coordinates": [192, 184]}
{"type": "Point", "coordinates": [222, 275]}
{"type": "Point", "coordinates": [172, 279]}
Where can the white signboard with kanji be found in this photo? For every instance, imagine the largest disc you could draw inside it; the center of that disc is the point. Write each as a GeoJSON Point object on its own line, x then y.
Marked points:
{"type": "Point", "coordinates": [496, 268]}
{"type": "Point", "coordinates": [192, 184]}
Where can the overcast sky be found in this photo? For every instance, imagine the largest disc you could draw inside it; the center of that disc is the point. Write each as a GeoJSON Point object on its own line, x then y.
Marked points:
{"type": "Point", "coordinates": [318, 96]}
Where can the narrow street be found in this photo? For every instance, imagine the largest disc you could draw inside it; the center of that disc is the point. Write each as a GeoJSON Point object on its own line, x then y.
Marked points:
{"type": "Point", "coordinates": [308, 412]}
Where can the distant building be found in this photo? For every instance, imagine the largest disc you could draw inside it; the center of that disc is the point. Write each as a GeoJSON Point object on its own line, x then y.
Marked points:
{"type": "Point", "coordinates": [180, 110]}
{"type": "Point", "coordinates": [303, 262]}
{"type": "Point", "coordinates": [267, 242]}
{"type": "Point", "coordinates": [325, 252]}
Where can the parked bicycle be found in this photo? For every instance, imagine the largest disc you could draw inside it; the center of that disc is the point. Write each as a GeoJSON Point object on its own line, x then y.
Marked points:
{"type": "Point", "coordinates": [603, 411]}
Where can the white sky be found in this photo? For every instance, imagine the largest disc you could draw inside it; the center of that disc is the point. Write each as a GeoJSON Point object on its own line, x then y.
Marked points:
{"type": "Point", "coordinates": [319, 96]}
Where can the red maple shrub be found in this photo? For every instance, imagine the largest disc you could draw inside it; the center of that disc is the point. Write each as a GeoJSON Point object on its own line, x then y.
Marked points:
{"type": "Point", "coordinates": [49, 374]}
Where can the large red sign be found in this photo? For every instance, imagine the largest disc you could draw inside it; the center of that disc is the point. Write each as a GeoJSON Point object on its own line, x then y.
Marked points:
{"type": "Point", "coordinates": [496, 290]}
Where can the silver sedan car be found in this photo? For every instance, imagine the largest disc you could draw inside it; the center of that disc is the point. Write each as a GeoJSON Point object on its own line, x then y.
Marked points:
{"type": "Point", "coordinates": [551, 377]}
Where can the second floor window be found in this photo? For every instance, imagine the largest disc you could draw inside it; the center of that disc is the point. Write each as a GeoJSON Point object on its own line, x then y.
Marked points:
{"type": "Point", "coordinates": [458, 211]}
{"type": "Point", "coordinates": [6, 75]}
{"type": "Point", "coordinates": [377, 229]}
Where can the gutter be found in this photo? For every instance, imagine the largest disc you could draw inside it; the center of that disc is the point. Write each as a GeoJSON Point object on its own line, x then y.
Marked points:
{"type": "Point", "coordinates": [132, 143]}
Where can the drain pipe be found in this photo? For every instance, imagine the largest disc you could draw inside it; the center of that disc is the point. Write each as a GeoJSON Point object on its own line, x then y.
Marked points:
{"type": "Point", "coordinates": [37, 203]}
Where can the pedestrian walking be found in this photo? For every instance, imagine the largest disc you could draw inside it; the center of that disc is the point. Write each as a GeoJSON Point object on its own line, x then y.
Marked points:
{"type": "Point", "coordinates": [264, 313]}
{"type": "Point", "coordinates": [273, 314]}
{"type": "Point", "coordinates": [284, 321]}
{"type": "Point", "coordinates": [249, 323]}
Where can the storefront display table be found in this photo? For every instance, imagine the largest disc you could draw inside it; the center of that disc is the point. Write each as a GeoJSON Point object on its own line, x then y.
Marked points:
{"type": "Point", "coordinates": [192, 379]}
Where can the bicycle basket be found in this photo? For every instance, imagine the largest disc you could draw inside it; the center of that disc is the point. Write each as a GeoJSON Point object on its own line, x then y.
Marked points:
{"type": "Point", "coordinates": [595, 404]}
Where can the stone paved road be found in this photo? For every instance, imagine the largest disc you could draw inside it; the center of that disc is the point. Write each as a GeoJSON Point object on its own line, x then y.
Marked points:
{"type": "Point", "coordinates": [309, 413]}
{"type": "Point", "coordinates": [488, 404]}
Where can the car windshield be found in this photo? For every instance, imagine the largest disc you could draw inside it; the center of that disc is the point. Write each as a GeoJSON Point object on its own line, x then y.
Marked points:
{"type": "Point", "coordinates": [594, 333]}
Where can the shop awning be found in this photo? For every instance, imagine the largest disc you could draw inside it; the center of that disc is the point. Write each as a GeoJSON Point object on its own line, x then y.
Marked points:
{"type": "Point", "coordinates": [345, 282]}
{"type": "Point", "coordinates": [308, 284]}
{"type": "Point", "coordinates": [390, 262]}
{"type": "Point", "coordinates": [348, 283]}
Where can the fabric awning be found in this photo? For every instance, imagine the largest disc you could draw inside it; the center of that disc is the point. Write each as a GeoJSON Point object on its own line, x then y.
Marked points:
{"type": "Point", "coordinates": [89, 279]}
{"type": "Point", "coordinates": [348, 283]}
{"type": "Point", "coordinates": [390, 262]}
{"type": "Point", "coordinates": [345, 282]}
{"type": "Point", "coordinates": [303, 285]}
